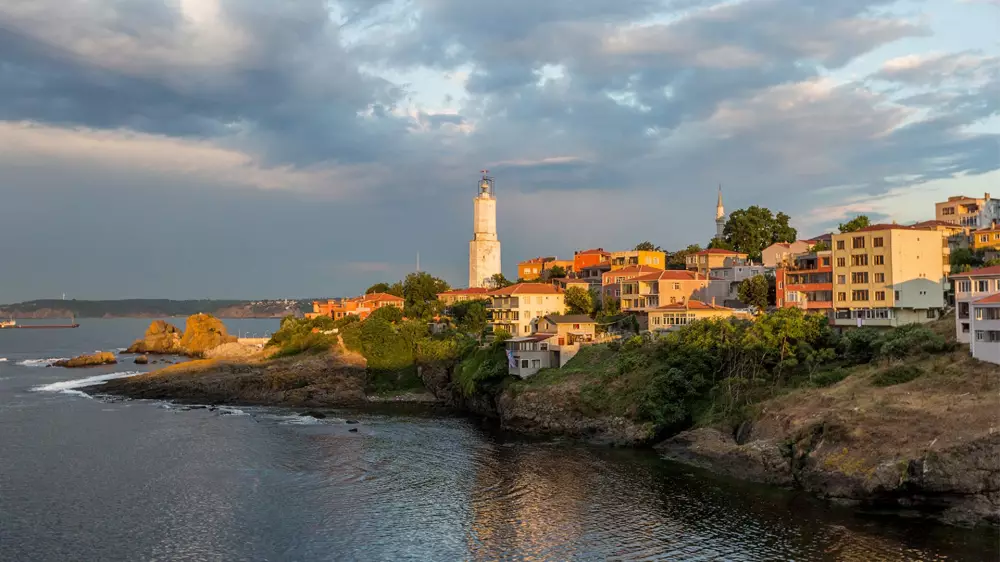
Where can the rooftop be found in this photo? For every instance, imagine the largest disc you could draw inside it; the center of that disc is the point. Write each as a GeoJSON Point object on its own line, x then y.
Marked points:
{"type": "Point", "coordinates": [934, 223]}
{"type": "Point", "coordinates": [539, 260]}
{"type": "Point", "coordinates": [381, 297]}
{"type": "Point", "coordinates": [981, 272]}
{"type": "Point", "coordinates": [569, 319]}
{"type": "Point", "coordinates": [670, 274]}
{"type": "Point", "coordinates": [719, 251]}
{"type": "Point", "coordinates": [591, 251]}
{"type": "Point", "coordinates": [633, 269]}
{"type": "Point", "coordinates": [992, 299]}
{"type": "Point", "coordinates": [693, 305]}
{"type": "Point", "coordinates": [527, 289]}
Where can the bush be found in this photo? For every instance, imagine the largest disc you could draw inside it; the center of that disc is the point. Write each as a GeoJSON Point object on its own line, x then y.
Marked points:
{"type": "Point", "coordinates": [828, 378]}
{"type": "Point", "coordinates": [861, 345]}
{"type": "Point", "coordinates": [480, 367]}
{"type": "Point", "coordinates": [897, 375]}
{"type": "Point", "coordinates": [633, 343]}
{"type": "Point", "coordinates": [297, 335]}
{"type": "Point", "coordinates": [909, 340]}
{"type": "Point", "coordinates": [389, 314]}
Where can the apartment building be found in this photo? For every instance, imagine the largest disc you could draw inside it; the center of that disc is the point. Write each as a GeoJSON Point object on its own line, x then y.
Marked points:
{"type": "Point", "coordinates": [985, 317]}
{"type": "Point", "coordinates": [806, 282]}
{"type": "Point", "coordinates": [970, 287]}
{"type": "Point", "coordinates": [648, 258]}
{"type": "Point", "coordinates": [776, 254]}
{"type": "Point", "coordinates": [887, 275]}
{"type": "Point", "coordinates": [986, 239]}
{"type": "Point", "coordinates": [706, 260]}
{"type": "Point", "coordinates": [587, 258]}
{"type": "Point", "coordinates": [646, 292]}
{"type": "Point", "coordinates": [971, 212]}
{"type": "Point", "coordinates": [517, 308]}
{"type": "Point", "coordinates": [535, 268]}
{"type": "Point", "coordinates": [611, 280]}
{"type": "Point", "coordinates": [726, 280]}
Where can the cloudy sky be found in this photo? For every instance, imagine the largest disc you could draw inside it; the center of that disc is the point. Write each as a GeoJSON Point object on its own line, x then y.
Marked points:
{"type": "Point", "coordinates": [270, 148]}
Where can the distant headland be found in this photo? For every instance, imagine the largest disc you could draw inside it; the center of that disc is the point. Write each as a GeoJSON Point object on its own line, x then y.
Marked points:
{"type": "Point", "coordinates": [154, 308]}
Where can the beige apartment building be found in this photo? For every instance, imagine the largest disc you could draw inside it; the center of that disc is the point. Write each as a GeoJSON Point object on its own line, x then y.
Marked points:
{"type": "Point", "coordinates": [518, 308]}
{"type": "Point", "coordinates": [888, 275]}
{"type": "Point", "coordinates": [706, 260]}
{"type": "Point", "coordinates": [648, 258]}
{"type": "Point", "coordinates": [970, 212]}
{"type": "Point", "coordinates": [652, 290]}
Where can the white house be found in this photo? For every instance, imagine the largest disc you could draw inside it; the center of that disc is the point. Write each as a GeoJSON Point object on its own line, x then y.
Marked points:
{"type": "Point", "coordinates": [970, 287]}
{"type": "Point", "coordinates": [985, 328]}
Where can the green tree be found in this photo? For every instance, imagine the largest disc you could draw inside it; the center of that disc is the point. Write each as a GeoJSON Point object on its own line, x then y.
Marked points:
{"type": "Point", "coordinates": [821, 246]}
{"type": "Point", "coordinates": [719, 243]}
{"type": "Point", "coordinates": [647, 246]}
{"type": "Point", "coordinates": [992, 262]}
{"type": "Point", "coordinates": [499, 281]}
{"type": "Point", "coordinates": [964, 259]}
{"type": "Point", "coordinates": [378, 288]}
{"type": "Point", "coordinates": [752, 229]}
{"type": "Point", "coordinates": [421, 293]}
{"type": "Point", "coordinates": [556, 272]}
{"type": "Point", "coordinates": [857, 223]}
{"type": "Point", "coordinates": [678, 259]}
{"type": "Point", "coordinates": [753, 292]}
{"type": "Point", "coordinates": [579, 301]}
{"type": "Point", "coordinates": [470, 316]}
{"type": "Point", "coordinates": [390, 314]}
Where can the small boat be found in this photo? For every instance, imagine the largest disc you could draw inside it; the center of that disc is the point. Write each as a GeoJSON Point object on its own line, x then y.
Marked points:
{"type": "Point", "coordinates": [12, 324]}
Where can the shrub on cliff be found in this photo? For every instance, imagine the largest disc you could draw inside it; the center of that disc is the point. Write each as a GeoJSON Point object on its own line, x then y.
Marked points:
{"type": "Point", "coordinates": [910, 340]}
{"type": "Point", "coordinates": [481, 367]}
{"type": "Point", "coordinates": [297, 336]}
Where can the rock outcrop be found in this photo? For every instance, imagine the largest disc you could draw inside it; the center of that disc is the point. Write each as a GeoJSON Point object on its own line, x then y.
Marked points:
{"type": "Point", "coordinates": [161, 338]}
{"type": "Point", "coordinates": [204, 332]}
{"type": "Point", "coordinates": [141, 360]}
{"type": "Point", "coordinates": [91, 360]}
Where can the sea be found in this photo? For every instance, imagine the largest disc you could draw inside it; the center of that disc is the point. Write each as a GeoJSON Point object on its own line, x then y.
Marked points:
{"type": "Point", "coordinates": [96, 479]}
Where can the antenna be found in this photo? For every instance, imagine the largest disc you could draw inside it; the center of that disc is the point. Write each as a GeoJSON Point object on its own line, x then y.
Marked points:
{"type": "Point", "coordinates": [418, 262]}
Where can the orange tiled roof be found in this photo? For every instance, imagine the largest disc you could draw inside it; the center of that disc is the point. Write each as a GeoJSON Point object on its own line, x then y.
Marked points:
{"type": "Point", "coordinates": [377, 297]}
{"type": "Point", "coordinates": [528, 289]}
{"type": "Point", "coordinates": [992, 228]}
{"type": "Point", "coordinates": [931, 224]}
{"type": "Point", "coordinates": [636, 269]}
{"type": "Point", "coordinates": [991, 270]}
{"type": "Point", "coordinates": [693, 305]}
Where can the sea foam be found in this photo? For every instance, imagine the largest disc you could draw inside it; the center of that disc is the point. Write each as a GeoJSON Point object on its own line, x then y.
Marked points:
{"type": "Point", "coordinates": [71, 386]}
{"type": "Point", "coordinates": [40, 362]}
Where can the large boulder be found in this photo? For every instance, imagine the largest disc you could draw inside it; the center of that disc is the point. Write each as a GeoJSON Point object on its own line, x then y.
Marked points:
{"type": "Point", "coordinates": [161, 338]}
{"type": "Point", "coordinates": [92, 360]}
{"type": "Point", "coordinates": [204, 332]}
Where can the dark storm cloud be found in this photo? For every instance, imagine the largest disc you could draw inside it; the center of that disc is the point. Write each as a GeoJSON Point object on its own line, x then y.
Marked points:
{"type": "Point", "coordinates": [576, 105]}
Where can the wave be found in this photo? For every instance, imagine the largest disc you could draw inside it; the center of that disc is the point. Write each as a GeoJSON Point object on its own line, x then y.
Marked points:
{"type": "Point", "coordinates": [40, 362]}
{"type": "Point", "coordinates": [3, 359]}
{"type": "Point", "coordinates": [71, 386]}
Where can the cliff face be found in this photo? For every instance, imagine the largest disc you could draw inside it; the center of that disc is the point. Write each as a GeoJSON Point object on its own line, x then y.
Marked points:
{"type": "Point", "coordinates": [204, 333]}
{"type": "Point", "coordinates": [931, 445]}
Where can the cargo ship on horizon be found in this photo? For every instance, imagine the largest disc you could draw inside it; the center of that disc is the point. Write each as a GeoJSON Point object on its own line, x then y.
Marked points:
{"type": "Point", "coordinates": [12, 324]}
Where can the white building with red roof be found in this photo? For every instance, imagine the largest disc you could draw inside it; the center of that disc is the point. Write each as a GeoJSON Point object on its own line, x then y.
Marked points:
{"type": "Point", "coordinates": [972, 287]}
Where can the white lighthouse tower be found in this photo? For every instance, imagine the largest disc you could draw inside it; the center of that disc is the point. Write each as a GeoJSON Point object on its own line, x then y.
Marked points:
{"type": "Point", "coordinates": [484, 249]}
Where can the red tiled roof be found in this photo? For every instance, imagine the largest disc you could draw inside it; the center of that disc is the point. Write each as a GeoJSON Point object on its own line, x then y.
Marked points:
{"type": "Point", "coordinates": [631, 269]}
{"type": "Point", "coordinates": [993, 228]}
{"type": "Point", "coordinates": [931, 224]}
{"type": "Point", "coordinates": [592, 251]}
{"type": "Point", "coordinates": [992, 270]}
{"type": "Point", "coordinates": [381, 297]}
{"type": "Point", "coordinates": [469, 291]}
{"type": "Point", "coordinates": [528, 289]}
{"type": "Point", "coordinates": [693, 305]}
{"type": "Point", "coordinates": [992, 299]}
{"type": "Point", "coordinates": [718, 251]}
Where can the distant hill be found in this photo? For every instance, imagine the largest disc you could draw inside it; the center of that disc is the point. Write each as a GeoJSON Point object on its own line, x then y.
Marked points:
{"type": "Point", "coordinates": [154, 308]}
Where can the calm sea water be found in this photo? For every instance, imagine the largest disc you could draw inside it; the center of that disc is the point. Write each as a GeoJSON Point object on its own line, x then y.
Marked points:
{"type": "Point", "coordinates": [90, 479]}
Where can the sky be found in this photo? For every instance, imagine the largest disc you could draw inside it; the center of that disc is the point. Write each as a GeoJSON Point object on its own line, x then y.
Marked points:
{"type": "Point", "coordinates": [310, 148]}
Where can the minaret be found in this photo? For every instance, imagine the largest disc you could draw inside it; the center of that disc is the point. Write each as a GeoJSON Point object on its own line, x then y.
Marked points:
{"type": "Point", "coordinates": [484, 249]}
{"type": "Point", "coordinates": [720, 216]}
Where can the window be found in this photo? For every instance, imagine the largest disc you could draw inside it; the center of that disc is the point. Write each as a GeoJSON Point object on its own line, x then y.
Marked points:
{"type": "Point", "coordinates": [859, 259]}
{"type": "Point", "coordinates": [880, 277]}
{"type": "Point", "coordinates": [859, 295]}
{"type": "Point", "coordinates": [677, 286]}
{"type": "Point", "coordinates": [965, 327]}
{"type": "Point", "coordinates": [841, 296]}
{"type": "Point", "coordinates": [780, 284]}
{"type": "Point", "coordinates": [673, 300]}
{"type": "Point", "coordinates": [979, 314]}
{"type": "Point", "coordinates": [843, 314]}
{"type": "Point", "coordinates": [840, 244]}
{"type": "Point", "coordinates": [858, 242]}
{"type": "Point", "coordinates": [826, 261]}
{"type": "Point", "coordinates": [983, 285]}
{"type": "Point", "coordinates": [963, 310]}
{"type": "Point", "coordinates": [948, 211]}
{"type": "Point", "coordinates": [896, 294]}
{"type": "Point", "coordinates": [524, 363]}
{"type": "Point", "coordinates": [536, 363]}
{"type": "Point", "coordinates": [966, 286]}
{"type": "Point", "coordinates": [841, 262]}
{"type": "Point", "coordinates": [984, 238]}
{"type": "Point", "coordinates": [879, 260]}
{"type": "Point", "coordinates": [841, 279]}
{"type": "Point", "coordinates": [880, 295]}
{"type": "Point", "coordinates": [538, 300]}
{"type": "Point", "coordinates": [859, 277]}
{"type": "Point", "coordinates": [877, 242]}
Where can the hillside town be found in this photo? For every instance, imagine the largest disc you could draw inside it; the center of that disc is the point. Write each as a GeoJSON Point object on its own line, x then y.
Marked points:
{"type": "Point", "coordinates": [879, 275]}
